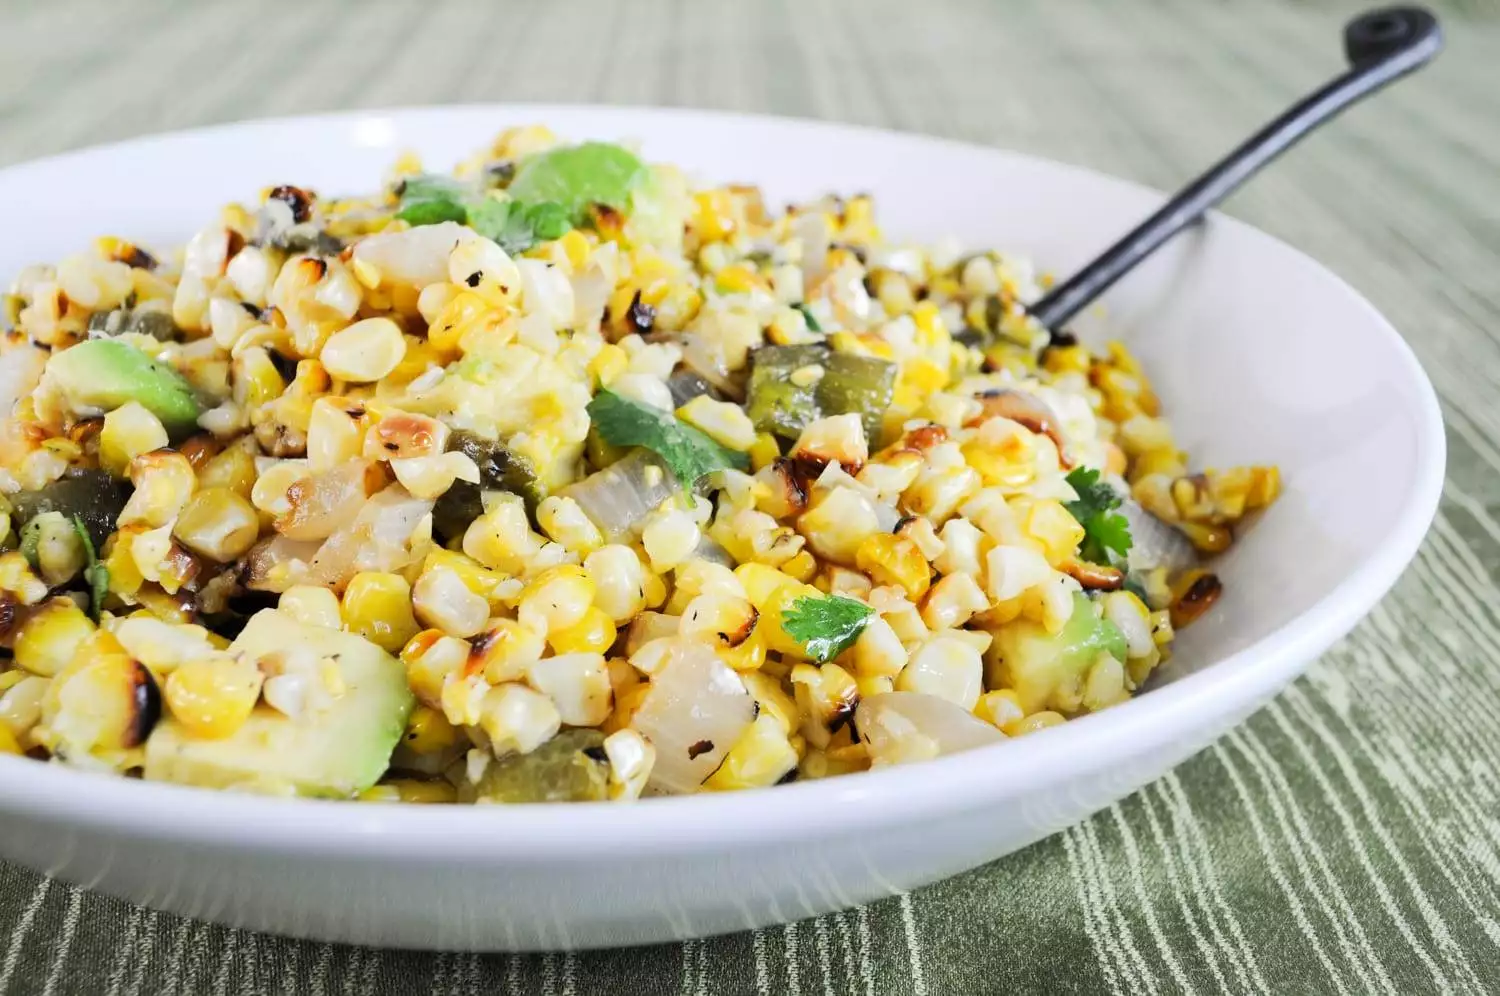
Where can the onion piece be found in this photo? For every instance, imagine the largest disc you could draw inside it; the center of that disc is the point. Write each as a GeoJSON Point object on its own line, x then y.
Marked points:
{"type": "Point", "coordinates": [271, 553]}
{"type": "Point", "coordinates": [324, 502]}
{"type": "Point", "coordinates": [377, 540]}
{"type": "Point", "coordinates": [707, 361]}
{"type": "Point", "coordinates": [898, 727]}
{"type": "Point", "coordinates": [20, 371]}
{"type": "Point", "coordinates": [1154, 543]}
{"type": "Point", "coordinates": [695, 710]}
{"type": "Point", "coordinates": [812, 228]}
{"type": "Point", "coordinates": [619, 497]}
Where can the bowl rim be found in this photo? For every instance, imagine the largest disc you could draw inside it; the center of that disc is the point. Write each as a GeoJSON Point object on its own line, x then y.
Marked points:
{"type": "Point", "coordinates": [712, 821]}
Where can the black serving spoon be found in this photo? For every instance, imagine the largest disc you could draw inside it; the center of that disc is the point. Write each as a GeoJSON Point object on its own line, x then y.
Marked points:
{"type": "Point", "coordinates": [1381, 46]}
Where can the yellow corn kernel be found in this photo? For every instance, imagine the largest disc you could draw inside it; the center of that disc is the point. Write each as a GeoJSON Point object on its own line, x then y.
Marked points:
{"type": "Point", "coordinates": [556, 599]}
{"type": "Point", "coordinates": [713, 215]}
{"type": "Point", "coordinates": [762, 756]}
{"type": "Point", "coordinates": [764, 451]}
{"type": "Point", "coordinates": [8, 742]}
{"type": "Point", "coordinates": [164, 480]}
{"type": "Point", "coordinates": [464, 312]}
{"type": "Point", "coordinates": [501, 538]}
{"type": "Point", "coordinates": [894, 560]}
{"type": "Point", "coordinates": [125, 578]}
{"type": "Point", "coordinates": [128, 431]}
{"type": "Point", "coordinates": [428, 731]}
{"type": "Point", "coordinates": [1036, 721]}
{"type": "Point", "coordinates": [594, 633]}
{"type": "Point", "coordinates": [608, 364]}
{"type": "Point", "coordinates": [311, 606]}
{"type": "Point", "coordinates": [722, 421]}
{"type": "Point", "coordinates": [18, 581]}
{"type": "Point", "coordinates": [234, 469]}
{"type": "Point", "coordinates": [218, 524]}
{"type": "Point", "coordinates": [256, 380]}
{"type": "Point", "coordinates": [564, 521]}
{"type": "Point", "coordinates": [431, 659]}
{"type": "Point", "coordinates": [493, 586]}
{"type": "Point", "coordinates": [47, 639]}
{"type": "Point", "coordinates": [269, 493]}
{"type": "Point", "coordinates": [738, 279]}
{"type": "Point", "coordinates": [801, 567]}
{"type": "Point", "coordinates": [212, 698]}
{"type": "Point", "coordinates": [333, 436]}
{"type": "Point", "coordinates": [1000, 708]}
{"type": "Point", "coordinates": [1053, 526]}
{"type": "Point", "coordinates": [774, 612]}
{"type": "Point", "coordinates": [377, 606]}
{"type": "Point", "coordinates": [411, 791]}
{"type": "Point", "coordinates": [504, 651]}
{"type": "Point", "coordinates": [575, 247]}
{"type": "Point", "coordinates": [761, 583]}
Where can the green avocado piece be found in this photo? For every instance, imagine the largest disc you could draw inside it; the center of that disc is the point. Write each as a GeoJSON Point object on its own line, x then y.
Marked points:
{"type": "Point", "coordinates": [336, 752]}
{"type": "Point", "coordinates": [576, 176]}
{"type": "Point", "coordinates": [1039, 666]}
{"type": "Point", "coordinates": [101, 375]}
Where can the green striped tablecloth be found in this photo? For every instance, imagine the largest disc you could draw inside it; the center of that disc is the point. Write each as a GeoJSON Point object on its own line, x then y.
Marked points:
{"type": "Point", "coordinates": [1347, 839]}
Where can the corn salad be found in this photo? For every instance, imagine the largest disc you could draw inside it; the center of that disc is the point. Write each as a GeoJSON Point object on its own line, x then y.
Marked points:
{"type": "Point", "coordinates": [561, 478]}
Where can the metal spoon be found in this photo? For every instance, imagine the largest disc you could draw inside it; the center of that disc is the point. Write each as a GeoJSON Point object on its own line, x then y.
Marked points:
{"type": "Point", "coordinates": [1381, 46]}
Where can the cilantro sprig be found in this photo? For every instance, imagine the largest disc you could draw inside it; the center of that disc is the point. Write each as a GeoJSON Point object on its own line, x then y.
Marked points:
{"type": "Point", "coordinates": [1106, 533]}
{"type": "Point", "coordinates": [688, 452]}
{"type": "Point", "coordinates": [826, 625]}
{"type": "Point", "coordinates": [94, 573]}
{"type": "Point", "coordinates": [515, 226]}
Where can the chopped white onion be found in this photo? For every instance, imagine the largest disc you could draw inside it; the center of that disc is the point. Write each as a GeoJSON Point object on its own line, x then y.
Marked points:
{"type": "Point", "coordinates": [695, 710]}
{"type": "Point", "coordinates": [899, 727]}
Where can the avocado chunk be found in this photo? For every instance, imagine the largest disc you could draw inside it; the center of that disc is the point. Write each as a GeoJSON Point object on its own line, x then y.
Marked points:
{"type": "Point", "coordinates": [101, 375]}
{"type": "Point", "coordinates": [577, 176]}
{"type": "Point", "coordinates": [335, 752]}
{"type": "Point", "coordinates": [1047, 671]}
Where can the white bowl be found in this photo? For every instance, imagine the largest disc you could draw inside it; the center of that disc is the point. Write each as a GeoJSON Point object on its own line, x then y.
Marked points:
{"type": "Point", "coordinates": [1259, 353]}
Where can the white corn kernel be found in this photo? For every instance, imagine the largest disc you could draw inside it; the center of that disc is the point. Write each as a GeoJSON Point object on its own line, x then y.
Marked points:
{"type": "Point", "coordinates": [442, 601]}
{"type": "Point", "coordinates": [644, 388]}
{"type": "Point", "coordinates": [670, 537]}
{"type": "Point", "coordinates": [518, 719]}
{"type": "Point", "coordinates": [618, 577]}
{"type": "Point", "coordinates": [952, 601]}
{"type": "Point", "coordinates": [333, 436]}
{"type": "Point", "coordinates": [1010, 570]}
{"type": "Point", "coordinates": [483, 261]}
{"type": "Point", "coordinates": [365, 351]}
{"type": "Point", "coordinates": [631, 758]}
{"type": "Point", "coordinates": [311, 605]}
{"type": "Point", "coordinates": [722, 421]}
{"type": "Point", "coordinates": [430, 476]}
{"type": "Point", "coordinates": [946, 667]}
{"type": "Point", "coordinates": [878, 652]}
{"type": "Point", "coordinates": [564, 521]}
{"type": "Point", "coordinates": [578, 685]}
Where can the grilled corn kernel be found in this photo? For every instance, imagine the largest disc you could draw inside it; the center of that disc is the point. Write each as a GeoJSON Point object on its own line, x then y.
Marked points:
{"type": "Point", "coordinates": [619, 579]}
{"type": "Point", "coordinates": [724, 422]}
{"type": "Point", "coordinates": [234, 468]}
{"type": "Point", "coordinates": [1001, 709]}
{"type": "Point", "coordinates": [504, 651]}
{"type": "Point", "coordinates": [563, 520]}
{"type": "Point", "coordinates": [443, 601]}
{"type": "Point", "coordinates": [213, 698]}
{"type": "Point", "coordinates": [269, 494]}
{"type": "Point", "coordinates": [21, 705]}
{"type": "Point", "coordinates": [431, 476]}
{"type": "Point", "coordinates": [428, 731]}
{"type": "Point", "coordinates": [377, 606]}
{"type": "Point", "coordinates": [411, 790]}
{"type": "Point", "coordinates": [670, 537]}
{"type": "Point", "coordinates": [578, 685]}
{"type": "Point", "coordinates": [333, 436]}
{"type": "Point", "coordinates": [164, 480]}
{"type": "Point", "coordinates": [47, 639]}
{"type": "Point", "coordinates": [17, 580]}
{"type": "Point", "coordinates": [762, 756]}
{"type": "Point", "coordinates": [365, 351]}
{"type": "Point", "coordinates": [946, 667]}
{"type": "Point", "coordinates": [838, 523]}
{"type": "Point", "coordinates": [894, 560]}
{"type": "Point", "coordinates": [631, 758]}
{"type": "Point", "coordinates": [594, 633]}
{"type": "Point", "coordinates": [556, 599]}
{"type": "Point", "coordinates": [953, 601]}
{"type": "Point", "coordinates": [311, 606]}
{"type": "Point", "coordinates": [518, 719]}
{"type": "Point", "coordinates": [501, 538]}
{"type": "Point", "coordinates": [160, 645]}
{"type": "Point", "coordinates": [129, 431]}
{"type": "Point", "coordinates": [431, 659]}
{"type": "Point", "coordinates": [218, 524]}
{"type": "Point", "coordinates": [1036, 721]}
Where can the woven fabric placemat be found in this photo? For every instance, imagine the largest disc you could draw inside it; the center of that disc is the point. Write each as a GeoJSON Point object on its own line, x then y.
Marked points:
{"type": "Point", "coordinates": [1346, 839]}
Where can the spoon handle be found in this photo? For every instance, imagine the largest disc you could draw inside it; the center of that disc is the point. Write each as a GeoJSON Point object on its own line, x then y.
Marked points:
{"type": "Point", "coordinates": [1381, 46]}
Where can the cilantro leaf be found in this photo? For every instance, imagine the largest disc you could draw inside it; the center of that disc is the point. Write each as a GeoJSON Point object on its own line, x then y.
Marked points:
{"type": "Point", "coordinates": [517, 227]}
{"type": "Point", "coordinates": [812, 323]}
{"type": "Point", "coordinates": [95, 573]}
{"type": "Point", "coordinates": [429, 200]}
{"type": "Point", "coordinates": [1106, 533]}
{"type": "Point", "coordinates": [688, 452]}
{"type": "Point", "coordinates": [827, 625]}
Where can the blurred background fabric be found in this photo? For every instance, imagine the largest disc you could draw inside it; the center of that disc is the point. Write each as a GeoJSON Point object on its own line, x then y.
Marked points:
{"type": "Point", "coordinates": [1347, 839]}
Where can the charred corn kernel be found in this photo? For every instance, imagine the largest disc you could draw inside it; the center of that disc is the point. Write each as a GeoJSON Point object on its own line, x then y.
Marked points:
{"type": "Point", "coordinates": [564, 521]}
{"type": "Point", "coordinates": [365, 351]}
{"type": "Point", "coordinates": [1036, 721]}
{"type": "Point", "coordinates": [762, 756]}
{"type": "Point", "coordinates": [218, 524]}
{"type": "Point", "coordinates": [269, 494]}
{"type": "Point", "coordinates": [129, 431]}
{"type": "Point", "coordinates": [377, 606]}
{"type": "Point", "coordinates": [764, 451]}
{"type": "Point", "coordinates": [722, 619]}
{"type": "Point", "coordinates": [164, 480]}
{"type": "Point", "coordinates": [443, 601]}
{"type": "Point", "coordinates": [311, 606]}
{"type": "Point", "coordinates": [17, 580]}
{"type": "Point", "coordinates": [578, 685]}
{"type": "Point", "coordinates": [333, 436]}
{"type": "Point", "coordinates": [476, 262]}
{"type": "Point", "coordinates": [504, 651]}
{"type": "Point", "coordinates": [431, 659]}
{"type": "Point", "coordinates": [257, 382]}
{"type": "Point", "coordinates": [894, 560]}
{"type": "Point", "coordinates": [953, 601]}
{"type": "Point", "coordinates": [619, 579]}
{"type": "Point", "coordinates": [556, 599]}
{"type": "Point", "coordinates": [826, 697]}
{"type": "Point", "coordinates": [501, 538]}
{"type": "Point", "coordinates": [234, 468]}
{"type": "Point", "coordinates": [213, 698]}
{"type": "Point", "coordinates": [801, 567]}
{"type": "Point", "coordinates": [594, 633]}
{"type": "Point", "coordinates": [1055, 528]}
{"type": "Point", "coordinates": [47, 638]}
{"type": "Point", "coordinates": [946, 667]}
{"type": "Point", "coordinates": [428, 731]}
{"type": "Point", "coordinates": [1000, 708]}
{"type": "Point", "coordinates": [518, 719]}
{"type": "Point", "coordinates": [837, 523]}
